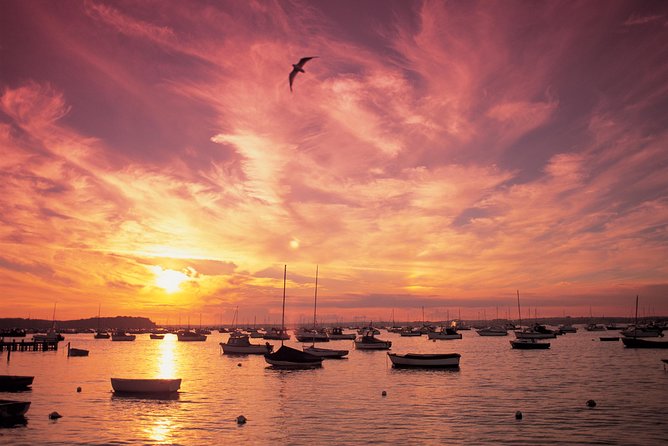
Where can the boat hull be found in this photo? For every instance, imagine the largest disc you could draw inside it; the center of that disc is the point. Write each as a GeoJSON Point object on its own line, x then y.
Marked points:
{"type": "Point", "coordinates": [10, 409]}
{"type": "Point", "coordinates": [521, 344]}
{"type": "Point", "coordinates": [643, 343]}
{"type": "Point", "coordinates": [326, 352]}
{"type": "Point", "coordinates": [290, 358]}
{"type": "Point", "coordinates": [145, 386]}
{"type": "Point", "coordinates": [385, 345]}
{"type": "Point", "coordinates": [534, 335]}
{"type": "Point", "coordinates": [430, 361]}
{"type": "Point", "coordinates": [15, 382]}
{"type": "Point", "coordinates": [123, 338]}
{"type": "Point", "coordinates": [245, 349]}
{"type": "Point", "coordinates": [77, 352]}
{"type": "Point", "coordinates": [443, 336]}
{"type": "Point", "coordinates": [492, 333]}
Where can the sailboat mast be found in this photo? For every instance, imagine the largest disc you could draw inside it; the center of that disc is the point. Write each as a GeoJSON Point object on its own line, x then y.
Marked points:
{"type": "Point", "coordinates": [519, 311]}
{"type": "Point", "coordinates": [635, 329]}
{"type": "Point", "coordinates": [315, 301]}
{"type": "Point", "coordinates": [285, 275]}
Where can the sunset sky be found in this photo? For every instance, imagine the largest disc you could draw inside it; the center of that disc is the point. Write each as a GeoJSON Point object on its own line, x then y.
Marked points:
{"type": "Point", "coordinates": [437, 154]}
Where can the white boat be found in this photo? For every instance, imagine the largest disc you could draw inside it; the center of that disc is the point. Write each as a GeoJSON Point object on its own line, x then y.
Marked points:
{"type": "Point", "coordinates": [492, 331]}
{"type": "Point", "coordinates": [190, 336]}
{"type": "Point", "coordinates": [145, 386]}
{"type": "Point", "coordinates": [446, 333]}
{"type": "Point", "coordinates": [326, 352]}
{"type": "Point", "coordinates": [369, 342]}
{"type": "Point", "coordinates": [239, 344]}
{"type": "Point", "coordinates": [429, 360]}
{"type": "Point", "coordinates": [122, 336]}
{"type": "Point", "coordinates": [337, 333]}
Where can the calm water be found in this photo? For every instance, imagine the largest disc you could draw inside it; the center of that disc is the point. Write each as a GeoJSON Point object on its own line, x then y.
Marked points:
{"type": "Point", "coordinates": [341, 403]}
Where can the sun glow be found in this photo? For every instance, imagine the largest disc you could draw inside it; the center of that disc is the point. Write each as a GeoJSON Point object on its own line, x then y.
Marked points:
{"type": "Point", "coordinates": [168, 279]}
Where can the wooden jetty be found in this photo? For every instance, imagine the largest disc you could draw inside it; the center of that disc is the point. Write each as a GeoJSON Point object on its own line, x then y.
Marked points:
{"type": "Point", "coordinates": [28, 346]}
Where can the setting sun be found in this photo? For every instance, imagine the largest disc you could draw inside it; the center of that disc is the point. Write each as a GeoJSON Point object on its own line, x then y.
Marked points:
{"type": "Point", "coordinates": [168, 279]}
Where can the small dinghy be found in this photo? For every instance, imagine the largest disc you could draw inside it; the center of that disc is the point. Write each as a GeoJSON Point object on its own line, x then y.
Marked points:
{"type": "Point", "coordinates": [290, 358]}
{"type": "Point", "coordinates": [326, 353]}
{"type": "Point", "coordinates": [609, 338]}
{"type": "Point", "coordinates": [145, 386]}
{"type": "Point", "coordinates": [71, 351]}
{"type": "Point", "coordinates": [419, 360]}
{"type": "Point", "coordinates": [10, 409]}
{"type": "Point", "coordinates": [529, 344]}
{"type": "Point", "coordinates": [13, 383]}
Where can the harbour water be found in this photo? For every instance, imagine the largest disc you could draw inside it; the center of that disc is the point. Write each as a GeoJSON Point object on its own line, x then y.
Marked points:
{"type": "Point", "coordinates": [342, 402]}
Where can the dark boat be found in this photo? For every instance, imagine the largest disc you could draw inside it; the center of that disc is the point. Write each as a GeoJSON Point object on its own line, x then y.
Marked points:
{"type": "Point", "coordinates": [419, 360]}
{"type": "Point", "coordinates": [71, 351]}
{"type": "Point", "coordinates": [15, 382]}
{"type": "Point", "coordinates": [609, 338]}
{"type": "Point", "coordinates": [643, 343]}
{"type": "Point", "coordinates": [529, 344]}
{"type": "Point", "coordinates": [10, 409]}
{"type": "Point", "coordinates": [290, 358]}
{"type": "Point", "coordinates": [13, 333]}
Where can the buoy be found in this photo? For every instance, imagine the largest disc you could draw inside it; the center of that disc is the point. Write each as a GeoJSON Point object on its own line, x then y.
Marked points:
{"type": "Point", "coordinates": [591, 403]}
{"type": "Point", "coordinates": [54, 415]}
{"type": "Point", "coordinates": [79, 389]}
{"type": "Point", "coordinates": [518, 415]}
{"type": "Point", "coordinates": [241, 419]}
{"type": "Point", "coordinates": [384, 393]}
{"type": "Point", "coordinates": [239, 365]}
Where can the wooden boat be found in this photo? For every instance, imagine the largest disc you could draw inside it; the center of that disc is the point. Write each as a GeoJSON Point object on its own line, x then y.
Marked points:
{"type": "Point", "coordinates": [145, 386]}
{"type": "Point", "coordinates": [370, 342]}
{"type": "Point", "coordinates": [419, 360]}
{"type": "Point", "coordinates": [13, 383]}
{"type": "Point", "coordinates": [288, 357]}
{"type": "Point", "coordinates": [13, 409]}
{"type": "Point", "coordinates": [239, 344]}
{"type": "Point", "coordinates": [157, 336]}
{"type": "Point", "coordinates": [122, 336]}
{"type": "Point", "coordinates": [326, 353]}
{"type": "Point", "coordinates": [529, 344]}
{"type": "Point", "coordinates": [76, 351]}
{"type": "Point", "coordinates": [190, 336]}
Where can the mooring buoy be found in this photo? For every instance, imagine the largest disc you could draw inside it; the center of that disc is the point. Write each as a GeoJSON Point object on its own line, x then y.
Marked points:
{"type": "Point", "coordinates": [591, 403]}
{"type": "Point", "coordinates": [241, 419]}
{"type": "Point", "coordinates": [54, 415]}
{"type": "Point", "coordinates": [518, 415]}
{"type": "Point", "coordinates": [79, 389]}
{"type": "Point", "coordinates": [384, 393]}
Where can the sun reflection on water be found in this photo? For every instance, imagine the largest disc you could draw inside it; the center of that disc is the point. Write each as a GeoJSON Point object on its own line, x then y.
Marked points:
{"type": "Point", "coordinates": [167, 358]}
{"type": "Point", "coordinates": [161, 430]}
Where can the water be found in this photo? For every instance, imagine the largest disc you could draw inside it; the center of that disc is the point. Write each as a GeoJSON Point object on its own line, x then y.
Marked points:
{"type": "Point", "coordinates": [341, 403]}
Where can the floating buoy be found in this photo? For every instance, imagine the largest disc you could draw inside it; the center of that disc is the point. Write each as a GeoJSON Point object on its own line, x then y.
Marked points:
{"type": "Point", "coordinates": [54, 415]}
{"type": "Point", "coordinates": [241, 419]}
{"type": "Point", "coordinates": [239, 365]}
{"type": "Point", "coordinates": [79, 389]}
{"type": "Point", "coordinates": [384, 393]}
{"type": "Point", "coordinates": [591, 403]}
{"type": "Point", "coordinates": [518, 415]}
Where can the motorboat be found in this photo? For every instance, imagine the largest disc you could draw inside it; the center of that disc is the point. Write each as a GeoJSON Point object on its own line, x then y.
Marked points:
{"type": "Point", "coordinates": [445, 333]}
{"type": "Point", "coordinates": [71, 351]}
{"type": "Point", "coordinates": [157, 336]}
{"type": "Point", "coordinates": [239, 344]}
{"type": "Point", "coordinates": [101, 335]}
{"type": "Point", "coordinates": [326, 353]}
{"type": "Point", "coordinates": [595, 327]}
{"type": "Point", "coordinates": [362, 331]}
{"type": "Point", "coordinates": [368, 341]}
{"type": "Point", "coordinates": [492, 331]}
{"type": "Point", "coordinates": [145, 386]}
{"type": "Point", "coordinates": [337, 333]}
{"type": "Point", "coordinates": [428, 360]}
{"type": "Point", "coordinates": [10, 409]}
{"type": "Point", "coordinates": [122, 336]}
{"type": "Point", "coordinates": [276, 334]}
{"type": "Point", "coordinates": [538, 331]}
{"type": "Point", "coordinates": [190, 336]}
{"type": "Point", "coordinates": [639, 331]}
{"type": "Point", "coordinates": [410, 332]}
{"type": "Point", "coordinates": [13, 383]}
{"type": "Point", "coordinates": [311, 335]}
{"type": "Point", "coordinates": [49, 336]}
{"type": "Point", "coordinates": [567, 328]}
{"type": "Point", "coordinates": [529, 344]}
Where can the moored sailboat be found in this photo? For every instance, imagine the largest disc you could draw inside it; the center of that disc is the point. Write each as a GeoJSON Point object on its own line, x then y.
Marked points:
{"type": "Point", "coordinates": [526, 343]}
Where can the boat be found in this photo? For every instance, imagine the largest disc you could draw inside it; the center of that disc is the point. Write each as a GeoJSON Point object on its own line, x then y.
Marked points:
{"type": "Point", "coordinates": [609, 338]}
{"type": "Point", "coordinates": [635, 342]}
{"type": "Point", "coordinates": [640, 331]}
{"type": "Point", "coordinates": [368, 328]}
{"type": "Point", "coordinates": [445, 333]}
{"type": "Point", "coordinates": [156, 336]}
{"type": "Point", "coordinates": [492, 331]}
{"type": "Point", "coordinates": [529, 344]}
{"type": "Point", "coordinates": [421, 360]}
{"type": "Point", "coordinates": [76, 351]}
{"type": "Point", "coordinates": [337, 333]}
{"type": "Point", "coordinates": [537, 331]}
{"type": "Point", "coordinates": [239, 344]}
{"type": "Point", "coordinates": [276, 334]}
{"type": "Point", "coordinates": [100, 334]}
{"type": "Point", "coordinates": [145, 386]}
{"type": "Point", "coordinates": [190, 336]}
{"type": "Point", "coordinates": [311, 335]}
{"type": "Point", "coordinates": [13, 383]}
{"type": "Point", "coordinates": [122, 336]}
{"type": "Point", "coordinates": [288, 357]}
{"type": "Point", "coordinates": [326, 353]}
{"type": "Point", "coordinates": [526, 343]}
{"type": "Point", "coordinates": [13, 333]}
{"type": "Point", "coordinates": [595, 327]}
{"type": "Point", "coordinates": [50, 336]}
{"type": "Point", "coordinates": [10, 409]}
{"type": "Point", "coordinates": [567, 328]}
{"type": "Point", "coordinates": [410, 332]}
{"type": "Point", "coordinates": [369, 341]}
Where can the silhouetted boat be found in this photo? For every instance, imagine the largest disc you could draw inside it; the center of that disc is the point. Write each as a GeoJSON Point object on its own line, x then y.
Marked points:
{"type": "Point", "coordinates": [15, 382]}
{"type": "Point", "coordinates": [420, 360]}
{"type": "Point", "coordinates": [445, 333]}
{"type": "Point", "coordinates": [537, 331]}
{"type": "Point", "coordinates": [529, 344]}
{"type": "Point", "coordinates": [122, 336]}
{"type": "Point", "coordinates": [145, 386]}
{"type": "Point", "coordinates": [13, 409]}
{"type": "Point", "coordinates": [239, 344]}
{"type": "Point", "coordinates": [101, 335]}
{"type": "Point", "coordinates": [337, 333]}
{"type": "Point", "coordinates": [13, 333]}
{"type": "Point", "coordinates": [635, 342]}
{"type": "Point", "coordinates": [190, 336]}
{"type": "Point", "coordinates": [326, 353]}
{"type": "Point", "coordinates": [71, 351]}
{"type": "Point", "coordinates": [288, 357]}
{"type": "Point", "coordinates": [276, 335]}
{"type": "Point", "coordinates": [595, 327]}
{"type": "Point", "coordinates": [369, 342]}
{"type": "Point", "coordinates": [609, 338]}
{"type": "Point", "coordinates": [492, 331]}
{"type": "Point", "coordinates": [157, 336]}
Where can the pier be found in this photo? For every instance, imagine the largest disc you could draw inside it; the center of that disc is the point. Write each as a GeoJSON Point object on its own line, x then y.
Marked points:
{"type": "Point", "coordinates": [28, 346]}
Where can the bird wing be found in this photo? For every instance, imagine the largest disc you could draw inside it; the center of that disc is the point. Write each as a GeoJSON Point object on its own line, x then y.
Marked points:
{"type": "Point", "coordinates": [303, 60]}
{"type": "Point", "coordinates": [293, 73]}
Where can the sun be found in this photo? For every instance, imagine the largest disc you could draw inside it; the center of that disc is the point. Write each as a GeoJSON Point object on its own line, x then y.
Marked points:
{"type": "Point", "coordinates": [168, 279]}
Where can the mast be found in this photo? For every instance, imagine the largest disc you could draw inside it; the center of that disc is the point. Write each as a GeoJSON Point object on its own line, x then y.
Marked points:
{"type": "Point", "coordinates": [315, 301]}
{"type": "Point", "coordinates": [635, 329]}
{"type": "Point", "coordinates": [285, 275]}
{"type": "Point", "coordinates": [519, 311]}
{"type": "Point", "coordinates": [53, 319]}
{"type": "Point", "coordinates": [99, 307]}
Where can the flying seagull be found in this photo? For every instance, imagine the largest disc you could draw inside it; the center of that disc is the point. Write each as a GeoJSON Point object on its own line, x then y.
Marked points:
{"type": "Point", "coordinates": [298, 67]}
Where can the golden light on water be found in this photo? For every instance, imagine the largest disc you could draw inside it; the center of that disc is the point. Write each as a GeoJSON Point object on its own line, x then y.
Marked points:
{"type": "Point", "coordinates": [161, 429]}
{"type": "Point", "coordinates": [168, 279]}
{"type": "Point", "coordinates": [166, 358]}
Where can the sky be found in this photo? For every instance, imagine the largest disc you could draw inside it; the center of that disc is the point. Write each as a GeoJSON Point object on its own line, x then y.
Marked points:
{"type": "Point", "coordinates": [440, 155]}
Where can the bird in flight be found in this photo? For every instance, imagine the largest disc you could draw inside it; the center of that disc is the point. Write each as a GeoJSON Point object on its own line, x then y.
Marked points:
{"type": "Point", "coordinates": [298, 67]}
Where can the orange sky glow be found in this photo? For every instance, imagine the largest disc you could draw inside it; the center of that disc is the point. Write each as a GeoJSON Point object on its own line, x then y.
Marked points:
{"type": "Point", "coordinates": [436, 154]}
